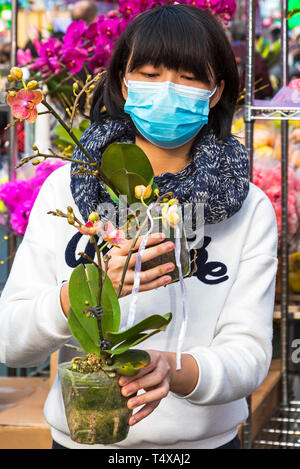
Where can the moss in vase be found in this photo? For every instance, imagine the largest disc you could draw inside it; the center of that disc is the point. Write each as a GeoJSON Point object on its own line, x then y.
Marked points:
{"type": "Point", "coordinates": [96, 411]}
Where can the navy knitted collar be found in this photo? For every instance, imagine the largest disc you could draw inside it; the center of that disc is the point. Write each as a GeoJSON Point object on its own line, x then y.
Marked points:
{"type": "Point", "coordinates": [218, 175]}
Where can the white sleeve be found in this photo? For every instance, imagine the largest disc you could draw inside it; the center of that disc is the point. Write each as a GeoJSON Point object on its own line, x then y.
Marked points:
{"type": "Point", "coordinates": [238, 359]}
{"type": "Point", "coordinates": [32, 323]}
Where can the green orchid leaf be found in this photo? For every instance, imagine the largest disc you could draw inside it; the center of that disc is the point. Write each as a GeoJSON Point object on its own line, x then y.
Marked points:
{"type": "Point", "coordinates": [74, 347]}
{"type": "Point", "coordinates": [129, 363]}
{"type": "Point", "coordinates": [132, 342]}
{"type": "Point", "coordinates": [82, 293]}
{"type": "Point", "coordinates": [125, 165]}
{"type": "Point", "coordinates": [59, 143]}
{"type": "Point", "coordinates": [126, 156]}
{"type": "Point", "coordinates": [81, 333]}
{"type": "Point", "coordinates": [133, 335]}
{"type": "Point", "coordinates": [111, 308]}
{"type": "Point", "coordinates": [112, 195]}
{"type": "Point", "coordinates": [61, 132]}
{"type": "Point", "coordinates": [125, 182]}
{"type": "Point", "coordinates": [84, 124]}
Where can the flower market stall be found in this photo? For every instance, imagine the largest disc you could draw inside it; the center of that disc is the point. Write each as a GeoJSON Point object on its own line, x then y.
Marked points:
{"type": "Point", "coordinates": [282, 430]}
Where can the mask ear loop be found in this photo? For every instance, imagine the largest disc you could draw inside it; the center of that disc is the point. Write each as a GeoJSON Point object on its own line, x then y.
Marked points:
{"type": "Point", "coordinates": [213, 92]}
{"type": "Point", "coordinates": [126, 84]}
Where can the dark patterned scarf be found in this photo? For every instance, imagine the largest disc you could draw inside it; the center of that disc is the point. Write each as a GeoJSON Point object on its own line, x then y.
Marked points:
{"type": "Point", "coordinates": [217, 176]}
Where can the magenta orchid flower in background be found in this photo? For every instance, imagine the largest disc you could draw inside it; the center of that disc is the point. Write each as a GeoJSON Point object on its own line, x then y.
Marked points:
{"type": "Point", "coordinates": [24, 57]}
{"type": "Point", "coordinates": [74, 33]}
{"type": "Point", "coordinates": [123, 24]}
{"type": "Point", "coordinates": [101, 56]}
{"type": "Point", "coordinates": [91, 33]}
{"type": "Point", "coordinates": [109, 27]}
{"type": "Point", "coordinates": [74, 58]}
{"type": "Point", "coordinates": [92, 44]}
{"type": "Point", "coordinates": [229, 7]}
{"type": "Point", "coordinates": [23, 104]}
{"type": "Point", "coordinates": [130, 7]}
{"type": "Point", "coordinates": [19, 195]}
{"type": "Point", "coordinates": [19, 218]}
{"type": "Point", "coordinates": [15, 192]}
{"type": "Point", "coordinates": [48, 62]}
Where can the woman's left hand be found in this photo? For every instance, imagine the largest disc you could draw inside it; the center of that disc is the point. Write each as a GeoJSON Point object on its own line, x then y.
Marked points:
{"type": "Point", "coordinates": [155, 379]}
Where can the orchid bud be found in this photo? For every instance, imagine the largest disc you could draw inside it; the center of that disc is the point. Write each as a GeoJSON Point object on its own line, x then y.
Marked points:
{"type": "Point", "coordinates": [93, 217]}
{"type": "Point", "coordinates": [173, 219]}
{"type": "Point", "coordinates": [173, 202]}
{"type": "Point", "coordinates": [75, 88]}
{"type": "Point", "coordinates": [35, 148]}
{"type": "Point", "coordinates": [70, 210]}
{"type": "Point", "coordinates": [142, 192]}
{"type": "Point", "coordinates": [36, 162]}
{"type": "Point", "coordinates": [16, 73]}
{"type": "Point", "coordinates": [32, 84]}
{"type": "Point", "coordinates": [71, 220]}
{"type": "Point", "coordinates": [10, 78]}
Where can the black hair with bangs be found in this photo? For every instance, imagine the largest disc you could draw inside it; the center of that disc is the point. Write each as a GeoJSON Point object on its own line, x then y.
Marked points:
{"type": "Point", "coordinates": [179, 37]}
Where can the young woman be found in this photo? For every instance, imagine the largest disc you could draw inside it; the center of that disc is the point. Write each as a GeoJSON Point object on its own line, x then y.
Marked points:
{"type": "Point", "coordinates": [171, 87]}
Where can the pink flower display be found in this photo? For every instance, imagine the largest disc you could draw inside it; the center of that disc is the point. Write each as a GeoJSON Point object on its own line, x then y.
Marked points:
{"type": "Point", "coordinates": [24, 57]}
{"type": "Point", "coordinates": [129, 8]}
{"type": "Point", "coordinates": [74, 34]}
{"type": "Point", "coordinates": [19, 217]}
{"type": "Point", "coordinates": [269, 180]}
{"type": "Point", "coordinates": [74, 58]}
{"type": "Point", "coordinates": [19, 195]}
{"type": "Point", "coordinates": [101, 56]}
{"type": "Point", "coordinates": [49, 61]}
{"type": "Point", "coordinates": [23, 104]}
{"type": "Point", "coordinates": [109, 28]}
{"type": "Point", "coordinates": [91, 45]}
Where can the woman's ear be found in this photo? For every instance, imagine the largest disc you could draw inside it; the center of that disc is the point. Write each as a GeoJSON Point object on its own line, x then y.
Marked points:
{"type": "Point", "coordinates": [217, 96]}
{"type": "Point", "coordinates": [123, 86]}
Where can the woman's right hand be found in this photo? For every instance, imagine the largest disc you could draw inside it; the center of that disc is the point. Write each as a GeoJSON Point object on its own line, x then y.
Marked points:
{"type": "Point", "coordinates": [149, 279]}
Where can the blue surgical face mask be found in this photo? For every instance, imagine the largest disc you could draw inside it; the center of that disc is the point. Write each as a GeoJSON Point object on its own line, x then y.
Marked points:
{"type": "Point", "coordinates": [167, 114]}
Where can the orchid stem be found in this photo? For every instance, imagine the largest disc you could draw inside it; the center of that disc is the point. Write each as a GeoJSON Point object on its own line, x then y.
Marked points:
{"type": "Point", "coordinates": [101, 176]}
{"type": "Point", "coordinates": [99, 263]}
{"type": "Point", "coordinates": [82, 91]}
{"type": "Point", "coordinates": [131, 250]}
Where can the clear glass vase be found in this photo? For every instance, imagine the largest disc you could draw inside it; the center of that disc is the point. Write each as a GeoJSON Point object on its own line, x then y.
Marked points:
{"type": "Point", "coordinates": [96, 411]}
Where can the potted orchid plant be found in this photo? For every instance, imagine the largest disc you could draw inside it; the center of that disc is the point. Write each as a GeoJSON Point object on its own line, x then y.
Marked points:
{"type": "Point", "coordinates": [95, 409]}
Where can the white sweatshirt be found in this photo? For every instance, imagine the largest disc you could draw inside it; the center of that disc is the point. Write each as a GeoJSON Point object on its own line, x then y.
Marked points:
{"type": "Point", "coordinates": [229, 332]}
